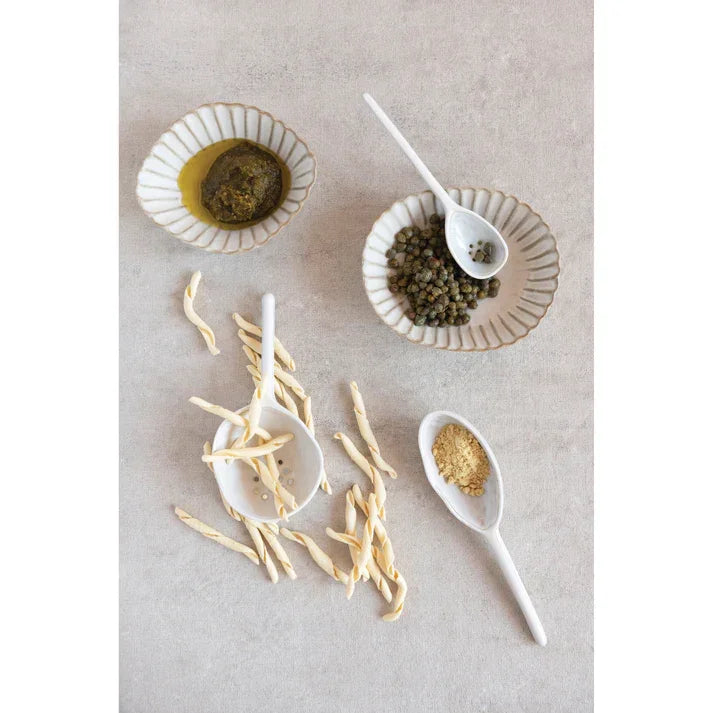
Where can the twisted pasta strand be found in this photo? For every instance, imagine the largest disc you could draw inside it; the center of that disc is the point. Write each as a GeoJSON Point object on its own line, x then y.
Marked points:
{"type": "Point", "coordinates": [280, 374]}
{"type": "Point", "coordinates": [256, 537]}
{"type": "Point", "coordinates": [372, 567]}
{"type": "Point", "coordinates": [254, 411]}
{"type": "Point", "coordinates": [350, 523]}
{"type": "Point", "coordinates": [317, 554]}
{"type": "Point", "coordinates": [379, 529]}
{"type": "Point", "coordinates": [277, 548]}
{"type": "Point", "coordinates": [370, 470]}
{"type": "Point", "coordinates": [280, 391]}
{"type": "Point", "coordinates": [232, 416]}
{"type": "Point", "coordinates": [188, 296]}
{"type": "Point", "coordinates": [265, 448]}
{"type": "Point", "coordinates": [280, 352]}
{"type": "Point", "coordinates": [366, 540]}
{"type": "Point", "coordinates": [366, 433]}
{"type": "Point", "coordinates": [219, 537]}
{"type": "Point", "coordinates": [309, 422]}
{"type": "Point", "coordinates": [401, 587]}
{"type": "Point", "coordinates": [280, 494]}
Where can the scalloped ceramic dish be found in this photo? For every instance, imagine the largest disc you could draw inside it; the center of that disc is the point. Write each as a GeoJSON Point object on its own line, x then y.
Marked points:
{"type": "Point", "coordinates": [160, 197]}
{"type": "Point", "coordinates": [528, 280]}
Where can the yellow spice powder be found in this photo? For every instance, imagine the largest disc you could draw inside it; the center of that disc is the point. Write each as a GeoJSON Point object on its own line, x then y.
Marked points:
{"type": "Point", "coordinates": [461, 459]}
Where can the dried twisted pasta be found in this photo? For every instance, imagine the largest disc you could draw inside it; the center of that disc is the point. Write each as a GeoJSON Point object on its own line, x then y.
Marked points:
{"type": "Point", "coordinates": [280, 374]}
{"type": "Point", "coordinates": [379, 529]}
{"type": "Point", "coordinates": [218, 537]}
{"type": "Point", "coordinates": [283, 381]}
{"type": "Point", "coordinates": [273, 527]}
{"type": "Point", "coordinates": [264, 448]}
{"type": "Point", "coordinates": [318, 555]}
{"type": "Point", "coordinates": [379, 580]}
{"type": "Point", "coordinates": [256, 537]}
{"type": "Point", "coordinates": [188, 296]}
{"type": "Point", "coordinates": [233, 416]}
{"type": "Point", "coordinates": [350, 529]}
{"type": "Point", "coordinates": [264, 555]}
{"type": "Point", "coordinates": [366, 433]}
{"type": "Point", "coordinates": [350, 523]}
{"type": "Point", "coordinates": [254, 411]}
{"type": "Point", "coordinates": [369, 469]}
{"type": "Point", "coordinates": [395, 576]}
{"type": "Point", "coordinates": [309, 422]}
{"type": "Point", "coordinates": [281, 495]}
{"type": "Point", "coordinates": [208, 450]}
{"type": "Point", "coordinates": [366, 539]}
{"type": "Point", "coordinates": [372, 567]}
{"type": "Point", "coordinates": [352, 541]}
{"type": "Point", "coordinates": [385, 558]}
{"type": "Point", "coordinates": [277, 548]}
{"type": "Point", "coordinates": [275, 473]}
{"type": "Point", "coordinates": [280, 391]}
{"type": "Point", "coordinates": [280, 352]}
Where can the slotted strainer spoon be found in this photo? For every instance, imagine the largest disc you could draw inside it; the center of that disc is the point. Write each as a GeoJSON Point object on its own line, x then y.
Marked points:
{"type": "Point", "coordinates": [301, 457]}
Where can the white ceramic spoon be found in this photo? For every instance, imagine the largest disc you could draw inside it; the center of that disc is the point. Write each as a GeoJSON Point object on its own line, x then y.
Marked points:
{"type": "Point", "coordinates": [482, 514]}
{"type": "Point", "coordinates": [301, 458]}
{"type": "Point", "coordinates": [463, 227]}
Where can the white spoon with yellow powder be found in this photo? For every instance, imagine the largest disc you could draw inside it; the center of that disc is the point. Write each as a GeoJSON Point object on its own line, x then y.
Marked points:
{"type": "Point", "coordinates": [480, 513]}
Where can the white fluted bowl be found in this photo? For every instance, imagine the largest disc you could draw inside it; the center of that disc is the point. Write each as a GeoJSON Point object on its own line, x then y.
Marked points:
{"type": "Point", "coordinates": [160, 197]}
{"type": "Point", "coordinates": [527, 282]}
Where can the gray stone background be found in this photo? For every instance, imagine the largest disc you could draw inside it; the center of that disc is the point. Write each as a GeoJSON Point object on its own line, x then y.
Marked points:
{"type": "Point", "coordinates": [490, 93]}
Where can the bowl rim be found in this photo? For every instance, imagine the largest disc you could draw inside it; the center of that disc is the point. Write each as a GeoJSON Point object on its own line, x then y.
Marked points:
{"type": "Point", "coordinates": [272, 234]}
{"type": "Point", "coordinates": [492, 192]}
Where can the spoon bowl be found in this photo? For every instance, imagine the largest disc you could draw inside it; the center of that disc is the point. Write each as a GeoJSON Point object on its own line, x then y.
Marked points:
{"type": "Point", "coordinates": [296, 460]}
{"type": "Point", "coordinates": [466, 231]}
{"type": "Point", "coordinates": [300, 461]}
{"type": "Point", "coordinates": [477, 513]}
{"type": "Point", "coordinates": [464, 228]}
{"type": "Point", "coordinates": [483, 513]}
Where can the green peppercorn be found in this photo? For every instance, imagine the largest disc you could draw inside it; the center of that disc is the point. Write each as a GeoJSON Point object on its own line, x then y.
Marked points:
{"type": "Point", "coordinates": [437, 290]}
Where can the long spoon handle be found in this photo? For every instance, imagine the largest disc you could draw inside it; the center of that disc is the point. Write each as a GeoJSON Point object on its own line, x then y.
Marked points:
{"type": "Point", "coordinates": [421, 167]}
{"type": "Point", "coordinates": [267, 373]}
{"type": "Point", "coordinates": [518, 588]}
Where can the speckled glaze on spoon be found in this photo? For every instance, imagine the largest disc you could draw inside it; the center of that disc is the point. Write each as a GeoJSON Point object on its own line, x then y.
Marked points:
{"type": "Point", "coordinates": [482, 514]}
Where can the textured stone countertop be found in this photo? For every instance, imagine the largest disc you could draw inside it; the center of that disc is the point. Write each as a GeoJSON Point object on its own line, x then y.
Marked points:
{"type": "Point", "coordinates": [490, 93]}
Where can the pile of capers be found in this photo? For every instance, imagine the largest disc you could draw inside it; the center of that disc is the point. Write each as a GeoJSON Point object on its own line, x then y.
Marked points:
{"type": "Point", "coordinates": [439, 292]}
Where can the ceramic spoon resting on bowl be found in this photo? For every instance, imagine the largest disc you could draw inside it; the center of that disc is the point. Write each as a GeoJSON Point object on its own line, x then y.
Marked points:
{"type": "Point", "coordinates": [483, 513]}
{"type": "Point", "coordinates": [300, 460]}
{"type": "Point", "coordinates": [464, 228]}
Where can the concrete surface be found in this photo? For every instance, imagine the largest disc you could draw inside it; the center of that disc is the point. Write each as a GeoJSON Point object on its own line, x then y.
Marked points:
{"type": "Point", "coordinates": [490, 93]}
